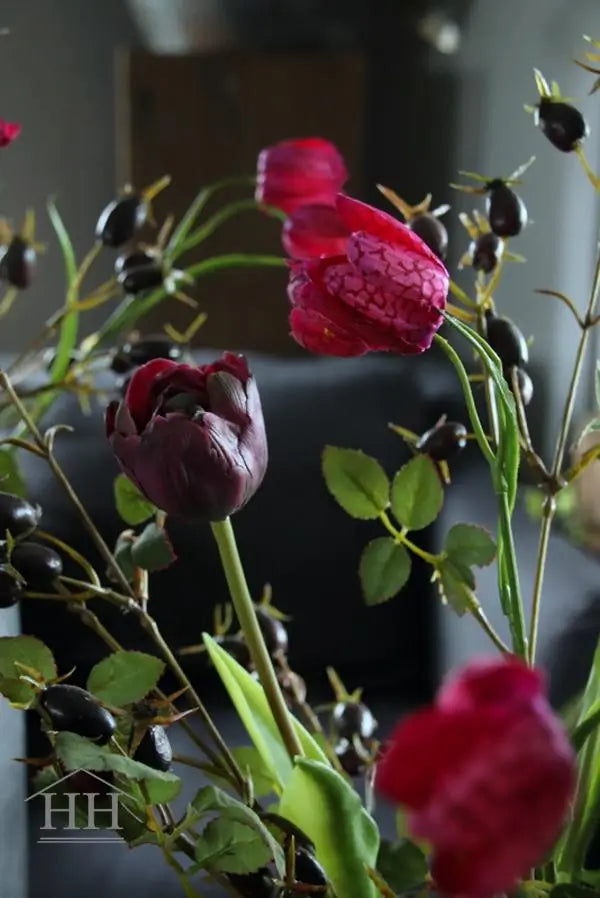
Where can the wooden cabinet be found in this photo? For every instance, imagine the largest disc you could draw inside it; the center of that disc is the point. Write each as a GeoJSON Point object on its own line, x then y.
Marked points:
{"type": "Point", "coordinates": [202, 118]}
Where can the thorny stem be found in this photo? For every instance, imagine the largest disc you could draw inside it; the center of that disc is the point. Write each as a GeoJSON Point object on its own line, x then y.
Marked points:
{"type": "Point", "coordinates": [549, 508]}
{"type": "Point", "coordinates": [246, 614]}
{"type": "Point", "coordinates": [65, 484]}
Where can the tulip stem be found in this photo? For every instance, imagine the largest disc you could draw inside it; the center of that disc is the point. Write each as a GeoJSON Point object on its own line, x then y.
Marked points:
{"type": "Point", "coordinates": [244, 608]}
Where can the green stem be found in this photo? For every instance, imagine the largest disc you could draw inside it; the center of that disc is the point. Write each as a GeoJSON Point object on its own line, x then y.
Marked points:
{"type": "Point", "coordinates": [244, 608]}
{"type": "Point", "coordinates": [132, 309]}
{"type": "Point", "coordinates": [550, 506]}
{"type": "Point", "coordinates": [401, 537]}
{"type": "Point", "coordinates": [510, 577]}
{"type": "Point", "coordinates": [215, 221]}
{"type": "Point", "coordinates": [476, 424]}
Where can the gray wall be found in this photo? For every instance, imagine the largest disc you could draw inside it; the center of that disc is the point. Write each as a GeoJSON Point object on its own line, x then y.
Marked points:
{"type": "Point", "coordinates": [503, 43]}
{"type": "Point", "coordinates": [57, 79]}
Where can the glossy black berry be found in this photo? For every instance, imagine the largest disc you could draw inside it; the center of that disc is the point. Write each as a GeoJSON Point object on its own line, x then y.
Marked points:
{"type": "Point", "coordinates": [443, 441]}
{"type": "Point", "coordinates": [563, 124]}
{"type": "Point", "coordinates": [524, 382]}
{"type": "Point", "coordinates": [137, 352]}
{"type": "Point", "coordinates": [353, 762]}
{"type": "Point", "coordinates": [11, 589]}
{"type": "Point", "coordinates": [139, 271]}
{"type": "Point", "coordinates": [17, 263]}
{"type": "Point", "coordinates": [254, 885]}
{"type": "Point", "coordinates": [486, 252]}
{"type": "Point", "coordinates": [506, 211]}
{"type": "Point", "coordinates": [77, 711]}
{"type": "Point", "coordinates": [506, 340]}
{"type": "Point", "coordinates": [121, 220]}
{"type": "Point", "coordinates": [155, 749]}
{"type": "Point", "coordinates": [237, 648]}
{"type": "Point", "coordinates": [273, 631]}
{"type": "Point", "coordinates": [39, 565]}
{"type": "Point", "coordinates": [307, 869]}
{"type": "Point", "coordinates": [351, 719]}
{"type": "Point", "coordinates": [17, 515]}
{"type": "Point", "coordinates": [432, 232]}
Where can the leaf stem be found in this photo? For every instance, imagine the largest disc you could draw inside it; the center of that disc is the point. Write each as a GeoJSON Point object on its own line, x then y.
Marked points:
{"type": "Point", "coordinates": [244, 608]}
{"type": "Point", "coordinates": [401, 537]}
{"type": "Point", "coordinates": [549, 508]}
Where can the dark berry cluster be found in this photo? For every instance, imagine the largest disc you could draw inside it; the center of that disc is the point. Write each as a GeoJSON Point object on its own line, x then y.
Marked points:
{"type": "Point", "coordinates": [24, 565]}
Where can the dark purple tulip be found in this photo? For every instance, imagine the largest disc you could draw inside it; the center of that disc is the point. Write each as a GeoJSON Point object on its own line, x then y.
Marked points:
{"type": "Point", "coordinates": [192, 439]}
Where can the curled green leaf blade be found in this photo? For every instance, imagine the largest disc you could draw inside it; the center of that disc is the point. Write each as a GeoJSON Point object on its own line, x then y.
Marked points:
{"type": "Point", "coordinates": [253, 710]}
{"type": "Point", "coordinates": [132, 505]}
{"type": "Point", "coordinates": [324, 805]}
{"type": "Point", "coordinates": [356, 481]}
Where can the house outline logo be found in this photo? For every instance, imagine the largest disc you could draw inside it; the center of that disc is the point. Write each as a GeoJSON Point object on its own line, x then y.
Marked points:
{"type": "Point", "coordinates": [108, 835]}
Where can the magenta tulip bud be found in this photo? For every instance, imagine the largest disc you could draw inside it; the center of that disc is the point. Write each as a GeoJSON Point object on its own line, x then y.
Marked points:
{"type": "Point", "coordinates": [191, 439]}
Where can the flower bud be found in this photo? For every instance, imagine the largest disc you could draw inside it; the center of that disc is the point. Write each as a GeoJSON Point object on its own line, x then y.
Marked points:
{"type": "Point", "coordinates": [486, 252]}
{"type": "Point", "coordinates": [506, 211]}
{"type": "Point", "coordinates": [139, 271]}
{"type": "Point", "coordinates": [506, 340]}
{"type": "Point", "coordinates": [17, 515]}
{"type": "Point", "coordinates": [121, 220]}
{"type": "Point", "coordinates": [38, 565]}
{"type": "Point", "coordinates": [11, 589]}
{"type": "Point", "coordinates": [443, 440]}
{"type": "Point", "coordinates": [191, 439]}
{"type": "Point", "coordinates": [563, 124]}
{"type": "Point", "coordinates": [155, 749]}
{"type": "Point", "coordinates": [432, 231]}
{"type": "Point", "coordinates": [17, 263]}
{"type": "Point", "coordinates": [75, 710]}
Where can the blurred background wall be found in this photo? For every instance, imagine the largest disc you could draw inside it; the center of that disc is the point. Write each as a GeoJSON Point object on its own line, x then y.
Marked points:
{"type": "Point", "coordinates": [58, 80]}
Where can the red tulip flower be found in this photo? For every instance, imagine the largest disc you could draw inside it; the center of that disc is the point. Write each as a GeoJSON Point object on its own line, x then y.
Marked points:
{"type": "Point", "coordinates": [297, 173]}
{"type": "Point", "coordinates": [487, 774]}
{"type": "Point", "coordinates": [311, 232]}
{"type": "Point", "coordinates": [9, 131]}
{"type": "Point", "coordinates": [192, 439]}
{"type": "Point", "coordinates": [384, 292]}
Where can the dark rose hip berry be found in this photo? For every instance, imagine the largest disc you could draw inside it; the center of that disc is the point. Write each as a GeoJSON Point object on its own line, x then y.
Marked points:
{"type": "Point", "coordinates": [563, 124]}
{"type": "Point", "coordinates": [273, 631]}
{"type": "Point", "coordinates": [237, 648]}
{"type": "Point", "coordinates": [292, 686]}
{"type": "Point", "coordinates": [254, 885]}
{"type": "Point", "coordinates": [506, 340]}
{"type": "Point", "coordinates": [17, 515]}
{"type": "Point", "coordinates": [353, 762]}
{"type": "Point", "coordinates": [307, 868]}
{"type": "Point", "coordinates": [524, 382]}
{"type": "Point", "coordinates": [443, 441]}
{"type": "Point", "coordinates": [17, 263]}
{"type": "Point", "coordinates": [486, 252]}
{"type": "Point", "coordinates": [432, 232]}
{"type": "Point", "coordinates": [121, 220]}
{"type": "Point", "coordinates": [139, 271]}
{"type": "Point", "coordinates": [506, 211]}
{"type": "Point", "coordinates": [137, 352]}
{"type": "Point", "coordinates": [39, 565]}
{"type": "Point", "coordinates": [11, 589]}
{"type": "Point", "coordinates": [351, 719]}
{"type": "Point", "coordinates": [75, 710]}
{"type": "Point", "coordinates": [155, 749]}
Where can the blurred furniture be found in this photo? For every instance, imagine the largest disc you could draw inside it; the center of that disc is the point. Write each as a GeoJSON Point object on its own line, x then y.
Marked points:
{"type": "Point", "coordinates": [204, 118]}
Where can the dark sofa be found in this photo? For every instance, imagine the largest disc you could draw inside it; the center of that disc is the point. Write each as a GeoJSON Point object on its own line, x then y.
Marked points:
{"type": "Point", "coordinates": [294, 536]}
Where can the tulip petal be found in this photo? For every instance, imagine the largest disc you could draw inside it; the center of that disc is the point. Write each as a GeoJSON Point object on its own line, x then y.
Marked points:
{"type": "Point", "coordinates": [320, 335]}
{"type": "Point", "coordinates": [314, 231]}
{"type": "Point", "coordinates": [140, 398]}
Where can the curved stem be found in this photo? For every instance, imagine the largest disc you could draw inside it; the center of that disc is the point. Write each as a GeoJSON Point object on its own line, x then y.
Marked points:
{"type": "Point", "coordinates": [244, 608]}
{"type": "Point", "coordinates": [550, 506]}
{"type": "Point", "coordinates": [401, 537]}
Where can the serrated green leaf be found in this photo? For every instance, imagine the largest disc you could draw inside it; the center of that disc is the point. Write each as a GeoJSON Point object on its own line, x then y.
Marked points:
{"type": "Point", "coordinates": [76, 752]}
{"type": "Point", "coordinates": [470, 545]}
{"type": "Point", "coordinates": [227, 846]}
{"type": "Point", "coordinates": [253, 710]}
{"type": "Point", "coordinates": [211, 798]}
{"type": "Point", "coordinates": [31, 652]}
{"type": "Point", "coordinates": [11, 480]}
{"type": "Point", "coordinates": [152, 550]}
{"type": "Point", "coordinates": [402, 864]}
{"type": "Point", "coordinates": [384, 569]}
{"type": "Point", "coordinates": [325, 806]}
{"type": "Point", "coordinates": [417, 493]}
{"type": "Point", "coordinates": [249, 759]}
{"type": "Point", "coordinates": [125, 677]}
{"type": "Point", "coordinates": [456, 584]}
{"type": "Point", "coordinates": [357, 482]}
{"type": "Point", "coordinates": [132, 506]}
